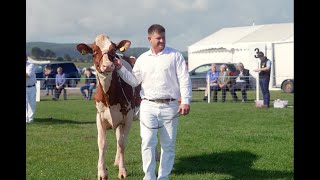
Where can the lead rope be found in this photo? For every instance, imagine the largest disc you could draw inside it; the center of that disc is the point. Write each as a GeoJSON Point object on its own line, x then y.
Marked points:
{"type": "Point", "coordinates": [123, 90]}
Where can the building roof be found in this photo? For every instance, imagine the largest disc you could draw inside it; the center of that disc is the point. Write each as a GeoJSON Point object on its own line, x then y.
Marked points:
{"type": "Point", "coordinates": [239, 37]}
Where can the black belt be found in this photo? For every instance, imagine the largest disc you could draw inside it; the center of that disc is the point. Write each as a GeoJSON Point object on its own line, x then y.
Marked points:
{"type": "Point", "coordinates": [30, 86]}
{"type": "Point", "coordinates": [160, 100]}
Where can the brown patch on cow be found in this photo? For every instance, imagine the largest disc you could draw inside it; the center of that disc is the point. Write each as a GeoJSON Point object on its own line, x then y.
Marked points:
{"type": "Point", "coordinates": [97, 55]}
{"type": "Point", "coordinates": [84, 49]}
{"type": "Point", "coordinates": [115, 93]}
{"type": "Point", "coordinates": [101, 96]}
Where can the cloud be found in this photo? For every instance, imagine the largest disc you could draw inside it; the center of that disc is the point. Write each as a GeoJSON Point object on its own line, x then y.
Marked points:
{"type": "Point", "coordinates": [186, 21]}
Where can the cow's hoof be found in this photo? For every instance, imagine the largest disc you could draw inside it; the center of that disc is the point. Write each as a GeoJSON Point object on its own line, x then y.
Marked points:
{"type": "Point", "coordinates": [122, 173]}
{"type": "Point", "coordinates": [103, 178]}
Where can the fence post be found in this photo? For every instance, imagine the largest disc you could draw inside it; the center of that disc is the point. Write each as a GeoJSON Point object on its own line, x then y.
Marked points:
{"type": "Point", "coordinates": [38, 91]}
{"type": "Point", "coordinates": [257, 84]}
{"type": "Point", "coordinates": [208, 88]}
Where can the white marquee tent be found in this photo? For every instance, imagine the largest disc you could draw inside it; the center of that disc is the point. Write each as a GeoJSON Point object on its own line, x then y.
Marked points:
{"type": "Point", "coordinates": [239, 44]}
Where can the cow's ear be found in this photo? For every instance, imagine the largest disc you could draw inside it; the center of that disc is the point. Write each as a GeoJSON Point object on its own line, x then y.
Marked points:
{"type": "Point", "coordinates": [84, 49]}
{"type": "Point", "coordinates": [123, 45]}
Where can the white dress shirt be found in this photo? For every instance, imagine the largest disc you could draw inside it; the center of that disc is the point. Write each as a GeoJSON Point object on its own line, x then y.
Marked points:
{"type": "Point", "coordinates": [30, 69]}
{"type": "Point", "coordinates": [163, 75]}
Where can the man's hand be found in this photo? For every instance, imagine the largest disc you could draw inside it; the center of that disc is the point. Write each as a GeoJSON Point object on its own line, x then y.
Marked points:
{"type": "Point", "coordinates": [184, 109]}
{"type": "Point", "coordinates": [117, 63]}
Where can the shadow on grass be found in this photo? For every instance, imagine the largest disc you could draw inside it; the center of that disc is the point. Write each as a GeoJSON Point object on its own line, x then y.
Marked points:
{"type": "Point", "coordinates": [60, 121]}
{"type": "Point", "coordinates": [237, 164]}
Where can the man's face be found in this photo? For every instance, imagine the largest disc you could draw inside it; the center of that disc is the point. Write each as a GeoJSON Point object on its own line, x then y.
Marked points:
{"type": "Point", "coordinates": [158, 41]}
{"type": "Point", "coordinates": [213, 68]}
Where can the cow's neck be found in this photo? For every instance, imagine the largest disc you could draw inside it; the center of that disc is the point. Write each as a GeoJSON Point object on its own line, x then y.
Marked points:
{"type": "Point", "coordinates": [105, 79]}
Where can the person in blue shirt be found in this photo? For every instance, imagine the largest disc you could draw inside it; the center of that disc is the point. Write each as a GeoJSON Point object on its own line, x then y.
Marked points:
{"type": "Point", "coordinates": [212, 74]}
{"type": "Point", "coordinates": [60, 84]}
{"type": "Point", "coordinates": [89, 84]}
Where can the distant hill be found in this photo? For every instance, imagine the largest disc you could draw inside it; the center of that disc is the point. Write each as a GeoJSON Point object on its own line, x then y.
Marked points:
{"type": "Point", "coordinates": [60, 49]}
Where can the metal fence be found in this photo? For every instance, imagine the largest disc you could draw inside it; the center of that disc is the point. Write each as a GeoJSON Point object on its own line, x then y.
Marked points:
{"type": "Point", "coordinates": [197, 94]}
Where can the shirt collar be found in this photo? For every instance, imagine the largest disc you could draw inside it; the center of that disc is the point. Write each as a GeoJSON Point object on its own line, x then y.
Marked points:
{"type": "Point", "coordinates": [150, 53]}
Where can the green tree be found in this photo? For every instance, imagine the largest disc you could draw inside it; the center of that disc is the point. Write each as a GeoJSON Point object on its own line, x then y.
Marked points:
{"type": "Point", "coordinates": [67, 57]}
{"type": "Point", "coordinates": [49, 54]}
{"type": "Point", "coordinates": [37, 52]}
{"type": "Point", "coordinates": [59, 59]}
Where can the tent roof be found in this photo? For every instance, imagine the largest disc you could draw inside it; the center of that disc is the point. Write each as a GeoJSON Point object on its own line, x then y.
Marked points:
{"type": "Point", "coordinates": [237, 37]}
{"type": "Point", "coordinates": [37, 62]}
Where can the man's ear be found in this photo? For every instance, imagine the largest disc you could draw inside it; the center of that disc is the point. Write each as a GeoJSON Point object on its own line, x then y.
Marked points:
{"type": "Point", "coordinates": [123, 45]}
{"type": "Point", "coordinates": [84, 49]}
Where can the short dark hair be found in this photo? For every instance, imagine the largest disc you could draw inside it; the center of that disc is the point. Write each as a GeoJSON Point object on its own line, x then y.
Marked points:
{"type": "Point", "coordinates": [260, 54]}
{"type": "Point", "coordinates": [156, 28]}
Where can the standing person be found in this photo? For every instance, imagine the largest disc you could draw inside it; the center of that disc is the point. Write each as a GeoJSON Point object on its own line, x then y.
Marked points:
{"type": "Point", "coordinates": [243, 79]}
{"type": "Point", "coordinates": [164, 78]}
{"type": "Point", "coordinates": [31, 91]}
{"type": "Point", "coordinates": [89, 84]}
{"type": "Point", "coordinates": [213, 80]}
{"type": "Point", "coordinates": [264, 78]}
{"type": "Point", "coordinates": [60, 84]}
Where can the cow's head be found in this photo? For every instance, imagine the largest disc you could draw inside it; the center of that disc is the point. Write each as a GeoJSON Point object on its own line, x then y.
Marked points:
{"type": "Point", "coordinates": [103, 51]}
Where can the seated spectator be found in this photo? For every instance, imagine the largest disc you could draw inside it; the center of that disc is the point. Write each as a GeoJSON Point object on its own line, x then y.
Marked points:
{"type": "Point", "coordinates": [224, 82]}
{"type": "Point", "coordinates": [89, 84]}
{"type": "Point", "coordinates": [242, 79]}
{"type": "Point", "coordinates": [49, 81]}
{"type": "Point", "coordinates": [60, 82]}
{"type": "Point", "coordinates": [212, 74]}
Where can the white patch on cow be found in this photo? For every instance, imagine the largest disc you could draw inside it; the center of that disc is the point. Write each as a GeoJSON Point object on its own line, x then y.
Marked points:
{"type": "Point", "coordinates": [103, 42]}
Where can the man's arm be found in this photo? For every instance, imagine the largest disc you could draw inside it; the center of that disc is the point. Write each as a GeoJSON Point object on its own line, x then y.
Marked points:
{"type": "Point", "coordinates": [126, 75]}
{"type": "Point", "coordinates": [29, 70]}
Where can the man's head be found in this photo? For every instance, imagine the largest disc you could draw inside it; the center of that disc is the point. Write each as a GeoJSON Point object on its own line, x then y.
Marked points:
{"type": "Point", "coordinates": [157, 37]}
{"type": "Point", "coordinates": [240, 66]}
{"type": "Point", "coordinates": [59, 70]}
{"type": "Point", "coordinates": [260, 55]}
{"type": "Point", "coordinates": [88, 71]}
{"type": "Point", "coordinates": [213, 67]}
{"type": "Point", "coordinates": [223, 67]}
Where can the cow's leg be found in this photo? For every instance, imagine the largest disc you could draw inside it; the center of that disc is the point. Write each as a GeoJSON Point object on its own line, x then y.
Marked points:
{"type": "Point", "coordinates": [122, 134]}
{"type": "Point", "coordinates": [101, 126]}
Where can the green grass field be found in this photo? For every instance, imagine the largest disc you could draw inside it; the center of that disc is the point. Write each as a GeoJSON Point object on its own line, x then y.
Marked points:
{"type": "Point", "coordinates": [216, 141]}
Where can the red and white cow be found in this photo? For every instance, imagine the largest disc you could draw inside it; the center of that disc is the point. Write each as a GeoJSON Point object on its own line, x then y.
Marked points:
{"type": "Point", "coordinates": [115, 100]}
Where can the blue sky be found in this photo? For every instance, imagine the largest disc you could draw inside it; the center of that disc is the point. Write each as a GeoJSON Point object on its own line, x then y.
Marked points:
{"type": "Point", "coordinates": [186, 21]}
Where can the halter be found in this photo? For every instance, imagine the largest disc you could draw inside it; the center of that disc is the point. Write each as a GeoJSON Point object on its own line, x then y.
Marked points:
{"type": "Point", "coordinates": [110, 59]}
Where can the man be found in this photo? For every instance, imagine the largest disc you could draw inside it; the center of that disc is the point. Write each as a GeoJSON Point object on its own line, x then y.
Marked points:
{"type": "Point", "coordinates": [243, 79]}
{"type": "Point", "coordinates": [31, 91]}
{"type": "Point", "coordinates": [164, 78]}
{"type": "Point", "coordinates": [60, 85]}
{"type": "Point", "coordinates": [225, 81]}
{"type": "Point", "coordinates": [212, 74]}
{"type": "Point", "coordinates": [264, 78]}
{"type": "Point", "coordinates": [89, 84]}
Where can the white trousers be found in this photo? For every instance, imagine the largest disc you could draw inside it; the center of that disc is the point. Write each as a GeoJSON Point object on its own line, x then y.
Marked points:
{"type": "Point", "coordinates": [31, 93]}
{"type": "Point", "coordinates": [154, 118]}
